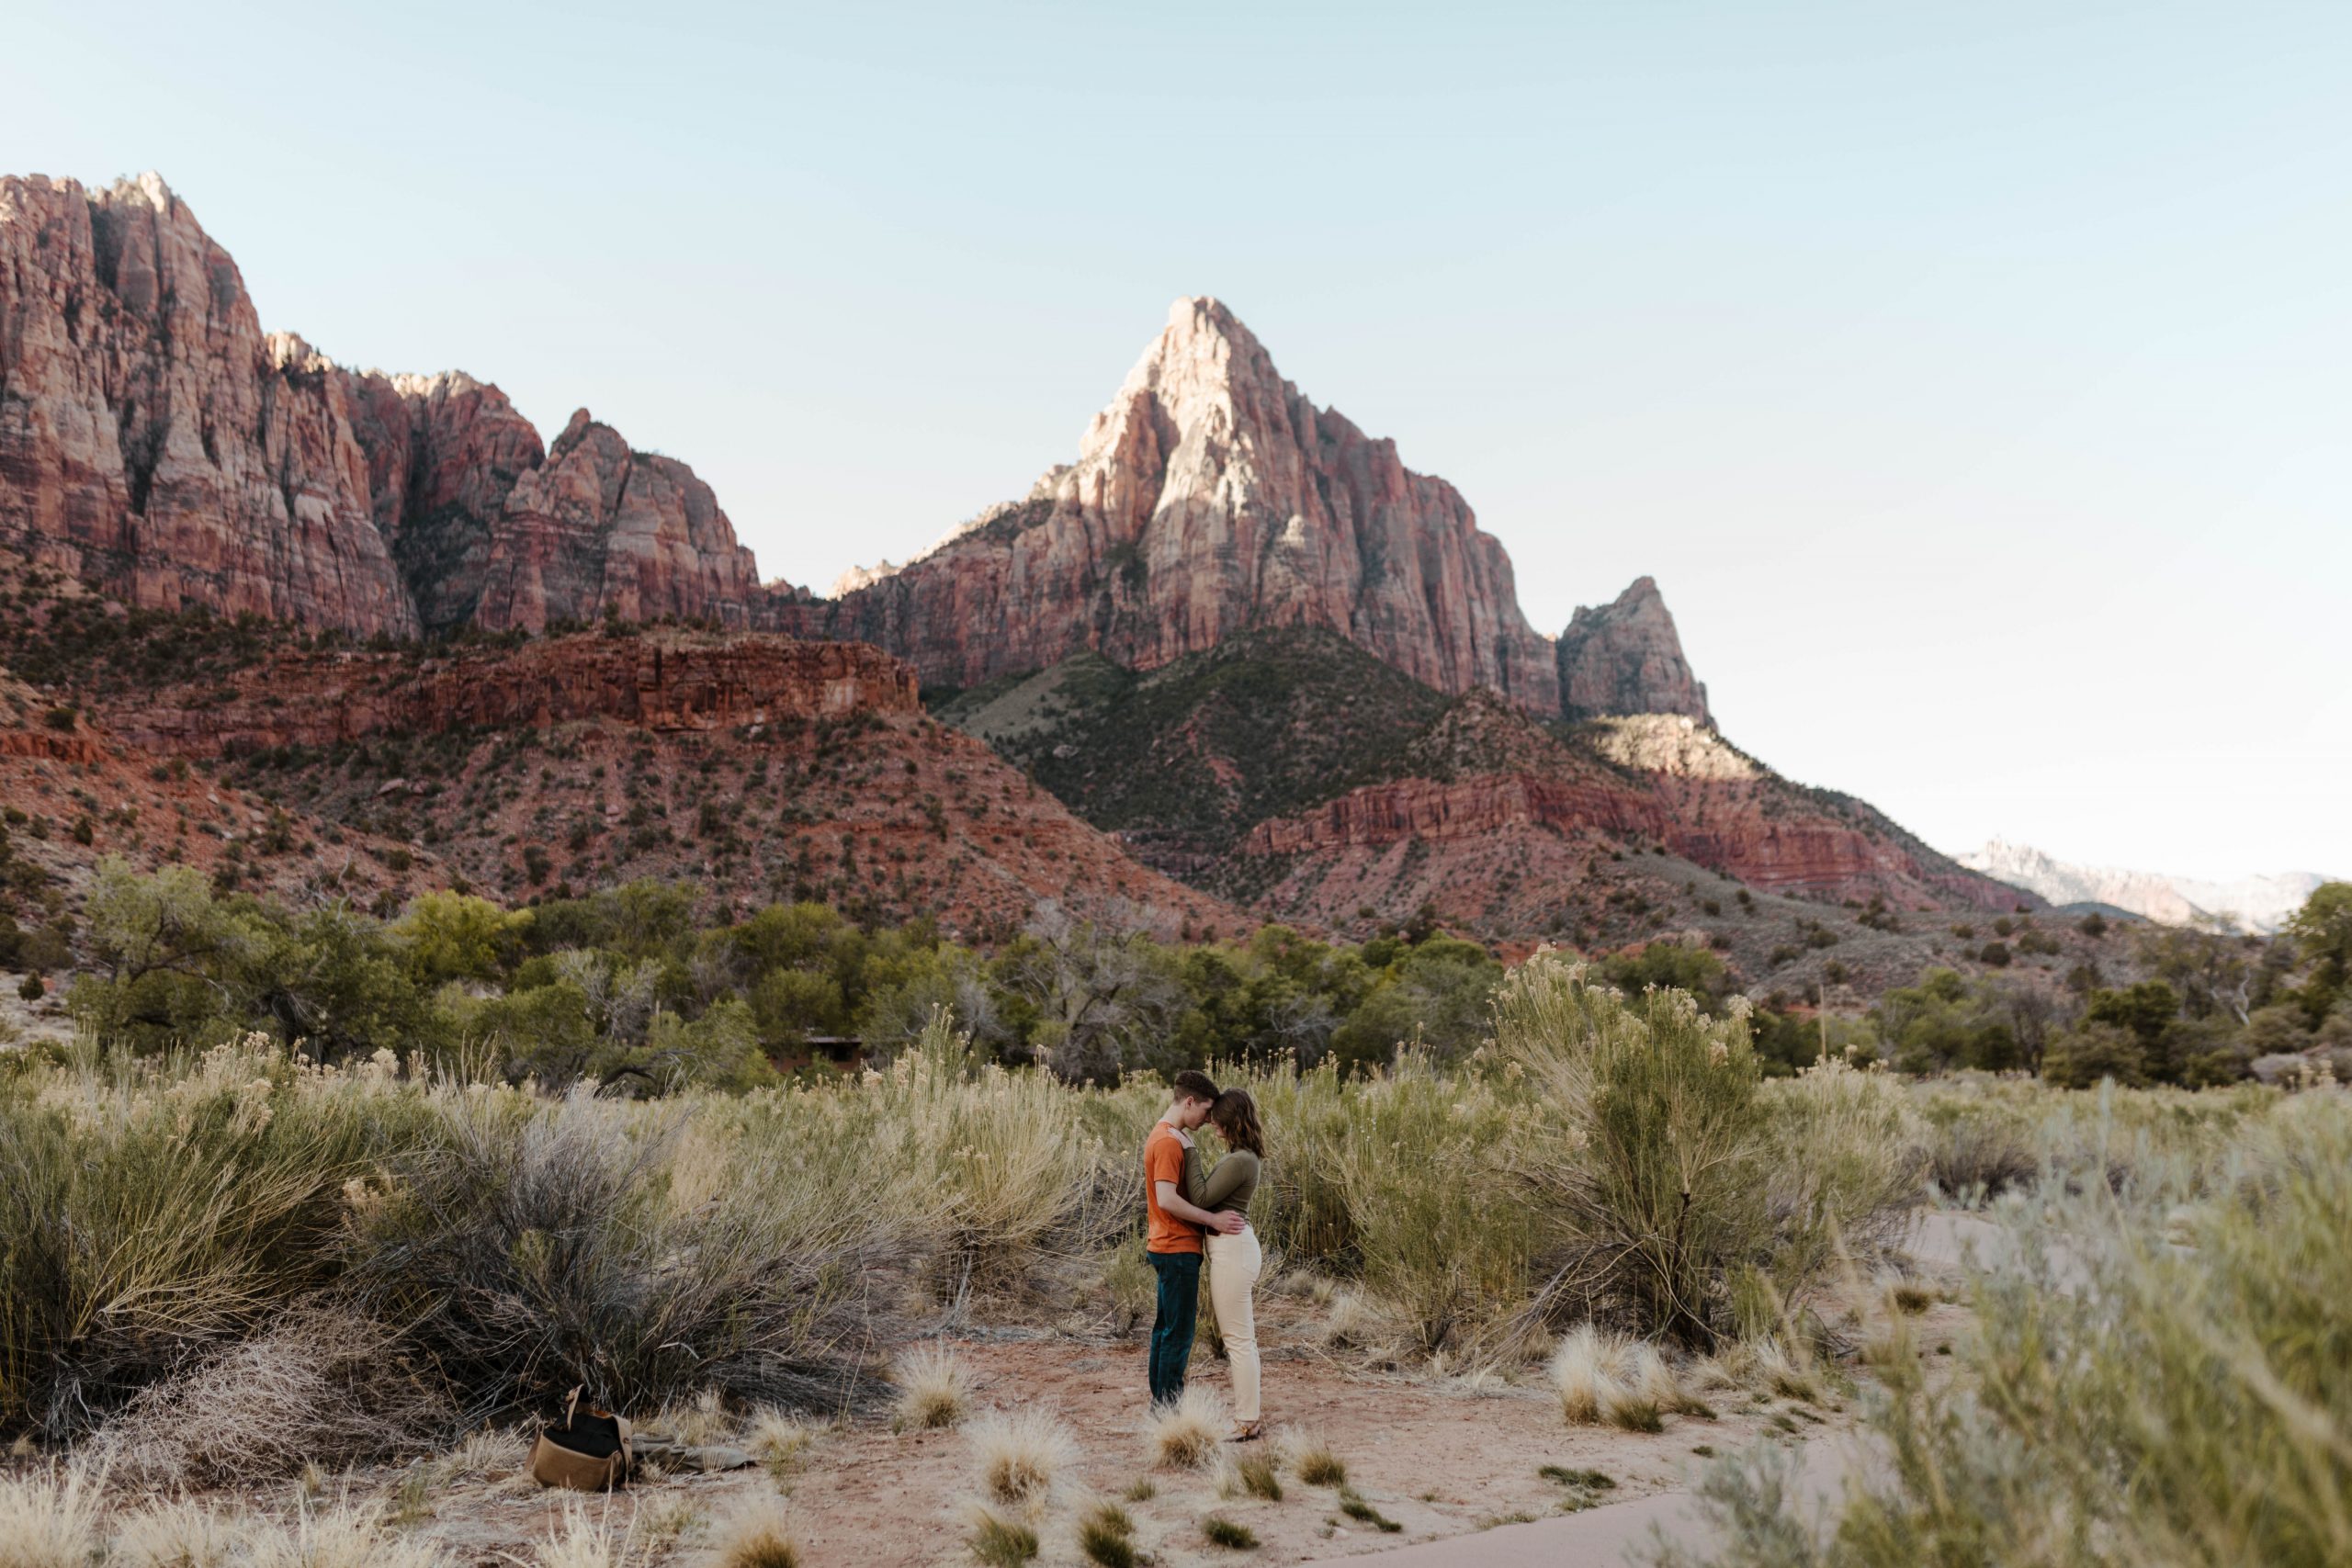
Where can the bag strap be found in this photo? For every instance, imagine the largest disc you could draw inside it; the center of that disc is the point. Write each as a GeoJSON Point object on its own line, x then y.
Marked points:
{"type": "Point", "coordinates": [571, 1405]}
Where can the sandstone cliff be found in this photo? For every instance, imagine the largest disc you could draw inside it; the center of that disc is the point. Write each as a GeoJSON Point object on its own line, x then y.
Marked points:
{"type": "Point", "coordinates": [603, 530]}
{"type": "Point", "coordinates": [1209, 498]}
{"type": "Point", "coordinates": [1627, 658]}
{"type": "Point", "coordinates": [156, 442]}
{"type": "Point", "coordinates": [444, 453]}
{"type": "Point", "coordinates": [152, 439]}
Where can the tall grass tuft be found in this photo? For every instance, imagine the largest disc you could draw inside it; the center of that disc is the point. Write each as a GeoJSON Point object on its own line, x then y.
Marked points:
{"type": "Point", "coordinates": [1260, 1476]}
{"type": "Point", "coordinates": [755, 1535]}
{"type": "Point", "coordinates": [348, 1535]}
{"type": "Point", "coordinates": [934, 1389]}
{"type": "Point", "coordinates": [1185, 1434]}
{"type": "Point", "coordinates": [180, 1533]}
{"type": "Point", "coordinates": [1602, 1376]}
{"type": "Point", "coordinates": [1312, 1460]}
{"type": "Point", "coordinates": [1228, 1533]}
{"type": "Point", "coordinates": [1021, 1457]}
{"type": "Point", "coordinates": [48, 1518]}
{"type": "Point", "coordinates": [1584, 1374]}
{"type": "Point", "coordinates": [1106, 1536]}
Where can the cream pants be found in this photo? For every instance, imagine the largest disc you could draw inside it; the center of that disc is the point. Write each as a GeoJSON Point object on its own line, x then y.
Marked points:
{"type": "Point", "coordinates": [1234, 1262]}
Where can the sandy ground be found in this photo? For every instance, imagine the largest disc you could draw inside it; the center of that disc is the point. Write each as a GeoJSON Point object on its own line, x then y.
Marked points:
{"type": "Point", "coordinates": [1442, 1459]}
{"type": "Point", "coordinates": [1616, 1536]}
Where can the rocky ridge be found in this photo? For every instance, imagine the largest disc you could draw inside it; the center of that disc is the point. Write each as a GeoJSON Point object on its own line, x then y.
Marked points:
{"type": "Point", "coordinates": [754, 765]}
{"type": "Point", "coordinates": [155, 442]}
{"type": "Point", "coordinates": [1485, 772]}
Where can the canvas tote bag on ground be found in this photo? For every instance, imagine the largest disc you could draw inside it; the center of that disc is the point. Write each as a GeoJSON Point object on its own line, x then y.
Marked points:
{"type": "Point", "coordinates": [588, 1453]}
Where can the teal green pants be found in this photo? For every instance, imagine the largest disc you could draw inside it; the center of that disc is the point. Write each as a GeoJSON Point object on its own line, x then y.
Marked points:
{"type": "Point", "coordinates": [1171, 1327]}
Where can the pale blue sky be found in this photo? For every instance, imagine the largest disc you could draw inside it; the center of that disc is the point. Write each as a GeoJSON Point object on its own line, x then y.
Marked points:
{"type": "Point", "coordinates": [1976, 380]}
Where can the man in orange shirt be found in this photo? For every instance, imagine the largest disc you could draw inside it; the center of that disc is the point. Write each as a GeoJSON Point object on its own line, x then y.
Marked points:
{"type": "Point", "coordinates": [1172, 1231]}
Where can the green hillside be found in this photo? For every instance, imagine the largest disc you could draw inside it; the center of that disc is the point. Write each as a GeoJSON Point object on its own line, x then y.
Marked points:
{"type": "Point", "coordinates": [1185, 758]}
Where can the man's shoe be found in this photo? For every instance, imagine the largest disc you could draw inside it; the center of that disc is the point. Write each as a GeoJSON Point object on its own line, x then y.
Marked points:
{"type": "Point", "coordinates": [1247, 1432]}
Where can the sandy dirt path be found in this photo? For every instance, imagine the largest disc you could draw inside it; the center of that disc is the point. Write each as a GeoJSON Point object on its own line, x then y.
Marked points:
{"type": "Point", "coordinates": [1441, 1461]}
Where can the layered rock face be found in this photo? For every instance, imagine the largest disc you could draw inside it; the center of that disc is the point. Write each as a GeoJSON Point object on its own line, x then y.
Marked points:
{"type": "Point", "coordinates": [1627, 658]}
{"type": "Point", "coordinates": [665, 681]}
{"type": "Point", "coordinates": [154, 441]}
{"type": "Point", "coordinates": [1209, 498]}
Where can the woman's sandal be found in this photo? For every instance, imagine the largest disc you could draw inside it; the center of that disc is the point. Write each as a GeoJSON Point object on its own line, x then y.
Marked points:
{"type": "Point", "coordinates": [1247, 1432]}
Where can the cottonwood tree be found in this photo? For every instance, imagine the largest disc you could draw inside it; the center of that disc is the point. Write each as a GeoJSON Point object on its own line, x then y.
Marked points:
{"type": "Point", "coordinates": [1100, 994]}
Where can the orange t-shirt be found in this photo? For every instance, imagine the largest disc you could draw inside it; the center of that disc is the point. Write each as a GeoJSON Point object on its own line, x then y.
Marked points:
{"type": "Point", "coordinates": [1163, 1160]}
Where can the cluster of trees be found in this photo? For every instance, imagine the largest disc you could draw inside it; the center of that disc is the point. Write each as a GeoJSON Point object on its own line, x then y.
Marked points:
{"type": "Point", "coordinates": [632, 982]}
{"type": "Point", "coordinates": [2210, 1008]}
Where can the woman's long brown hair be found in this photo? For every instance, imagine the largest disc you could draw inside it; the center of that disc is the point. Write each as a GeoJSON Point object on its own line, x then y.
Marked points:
{"type": "Point", "coordinates": [1235, 1116]}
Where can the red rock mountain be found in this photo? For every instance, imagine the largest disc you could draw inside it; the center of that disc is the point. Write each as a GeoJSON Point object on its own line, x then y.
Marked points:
{"type": "Point", "coordinates": [156, 442]}
{"type": "Point", "coordinates": [1210, 498]}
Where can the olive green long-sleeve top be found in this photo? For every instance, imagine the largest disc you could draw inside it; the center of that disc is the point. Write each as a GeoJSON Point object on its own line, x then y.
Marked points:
{"type": "Point", "coordinates": [1231, 1185]}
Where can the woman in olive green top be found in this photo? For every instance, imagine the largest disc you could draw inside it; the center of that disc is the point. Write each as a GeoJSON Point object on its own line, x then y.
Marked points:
{"type": "Point", "coordinates": [1234, 1261]}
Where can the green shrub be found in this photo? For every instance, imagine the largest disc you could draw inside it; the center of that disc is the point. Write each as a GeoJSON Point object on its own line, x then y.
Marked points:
{"type": "Point", "coordinates": [2082, 1057]}
{"type": "Point", "coordinates": [1653, 1166]}
{"type": "Point", "coordinates": [1672, 1172]}
{"type": "Point", "coordinates": [1400, 1180]}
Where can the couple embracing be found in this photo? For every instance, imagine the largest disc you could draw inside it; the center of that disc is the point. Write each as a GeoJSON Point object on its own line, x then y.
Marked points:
{"type": "Point", "coordinates": [1185, 1207]}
